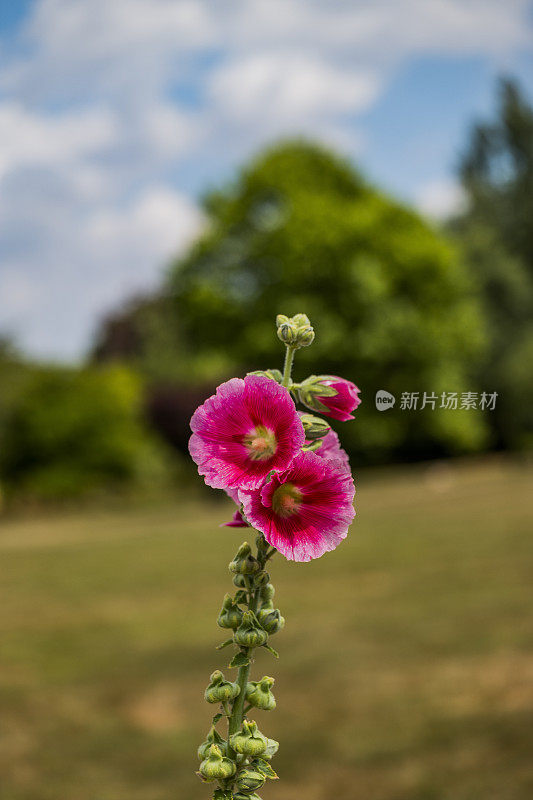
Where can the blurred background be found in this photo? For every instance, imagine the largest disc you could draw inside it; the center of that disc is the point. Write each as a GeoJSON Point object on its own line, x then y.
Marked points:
{"type": "Point", "coordinates": [175, 173]}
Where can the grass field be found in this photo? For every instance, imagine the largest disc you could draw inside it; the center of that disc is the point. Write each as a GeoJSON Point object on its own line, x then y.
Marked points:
{"type": "Point", "coordinates": [406, 669]}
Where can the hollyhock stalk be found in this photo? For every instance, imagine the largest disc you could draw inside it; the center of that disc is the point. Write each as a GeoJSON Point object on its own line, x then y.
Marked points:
{"type": "Point", "coordinates": [292, 485]}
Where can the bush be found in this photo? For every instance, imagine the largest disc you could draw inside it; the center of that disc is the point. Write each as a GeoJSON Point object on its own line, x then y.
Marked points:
{"type": "Point", "coordinates": [72, 432]}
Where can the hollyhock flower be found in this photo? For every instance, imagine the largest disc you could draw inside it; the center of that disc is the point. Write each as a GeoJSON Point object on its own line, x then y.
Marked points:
{"type": "Point", "coordinates": [344, 402]}
{"type": "Point", "coordinates": [246, 430]}
{"type": "Point", "coordinates": [331, 451]}
{"type": "Point", "coordinates": [237, 520]}
{"type": "Point", "coordinates": [304, 511]}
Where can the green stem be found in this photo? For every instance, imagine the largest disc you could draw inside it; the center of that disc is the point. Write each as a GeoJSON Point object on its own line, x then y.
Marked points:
{"type": "Point", "coordinates": [287, 367]}
{"type": "Point", "coordinates": [237, 714]}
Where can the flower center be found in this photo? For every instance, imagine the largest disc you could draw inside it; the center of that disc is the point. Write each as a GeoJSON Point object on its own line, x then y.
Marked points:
{"type": "Point", "coordinates": [286, 500]}
{"type": "Point", "coordinates": [260, 443]}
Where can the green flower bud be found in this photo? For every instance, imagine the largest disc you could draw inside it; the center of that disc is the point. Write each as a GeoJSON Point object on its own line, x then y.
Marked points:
{"type": "Point", "coordinates": [301, 320]}
{"type": "Point", "coordinates": [231, 615]}
{"type": "Point", "coordinates": [312, 389]}
{"type": "Point", "coordinates": [288, 333]}
{"type": "Point", "coordinates": [248, 780]}
{"type": "Point", "coordinates": [271, 749]}
{"type": "Point", "coordinates": [262, 578]}
{"type": "Point", "coordinates": [271, 620]}
{"type": "Point", "coordinates": [314, 427]}
{"type": "Point", "coordinates": [273, 374]}
{"type": "Point", "coordinates": [268, 605]}
{"type": "Point", "coordinates": [220, 690]}
{"type": "Point", "coordinates": [259, 695]}
{"type": "Point", "coordinates": [250, 633]}
{"type": "Point", "coordinates": [267, 592]}
{"type": "Point", "coordinates": [244, 563]}
{"type": "Point", "coordinates": [295, 331]}
{"type": "Point", "coordinates": [241, 597]}
{"type": "Point", "coordinates": [305, 336]}
{"type": "Point", "coordinates": [217, 767]}
{"type": "Point", "coordinates": [241, 796]}
{"type": "Point", "coordinates": [213, 737]}
{"type": "Point", "coordinates": [239, 581]}
{"type": "Point", "coordinates": [249, 741]}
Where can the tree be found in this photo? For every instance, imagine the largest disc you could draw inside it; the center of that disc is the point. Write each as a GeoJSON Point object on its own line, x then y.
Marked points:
{"type": "Point", "coordinates": [300, 230]}
{"type": "Point", "coordinates": [71, 432]}
{"type": "Point", "coordinates": [496, 234]}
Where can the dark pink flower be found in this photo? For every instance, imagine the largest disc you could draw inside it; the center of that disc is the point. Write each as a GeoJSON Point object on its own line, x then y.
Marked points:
{"type": "Point", "coordinates": [305, 511]}
{"type": "Point", "coordinates": [341, 405]}
{"type": "Point", "coordinates": [237, 520]}
{"type": "Point", "coordinates": [331, 451]}
{"type": "Point", "coordinates": [246, 430]}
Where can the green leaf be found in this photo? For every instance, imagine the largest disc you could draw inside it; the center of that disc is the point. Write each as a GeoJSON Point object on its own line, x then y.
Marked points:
{"type": "Point", "coordinates": [239, 660]}
{"type": "Point", "coordinates": [225, 644]}
{"type": "Point", "coordinates": [265, 768]}
{"type": "Point", "coordinates": [271, 650]}
{"type": "Point", "coordinates": [220, 794]}
{"type": "Point", "coordinates": [217, 718]}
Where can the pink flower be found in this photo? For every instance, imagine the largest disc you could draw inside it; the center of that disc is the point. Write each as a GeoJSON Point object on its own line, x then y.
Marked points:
{"type": "Point", "coordinates": [331, 451]}
{"type": "Point", "coordinates": [237, 520]}
{"type": "Point", "coordinates": [246, 430]}
{"type": "Point", "coordinates": [305, 511]}
{"type": "Point", "coordinates": [344, 402]}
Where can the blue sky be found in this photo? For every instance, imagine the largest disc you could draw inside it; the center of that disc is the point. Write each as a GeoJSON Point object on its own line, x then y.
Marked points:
{"type": "Point", "coordinates": [115, 116]}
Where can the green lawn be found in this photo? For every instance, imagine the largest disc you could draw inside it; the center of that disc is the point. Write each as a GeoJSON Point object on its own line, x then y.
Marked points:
{"type": "Point", "coordinates": [406, 669]}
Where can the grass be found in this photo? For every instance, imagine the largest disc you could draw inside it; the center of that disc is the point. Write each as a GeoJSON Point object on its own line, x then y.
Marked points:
{"type": "Point", "coordinates": [406, 668]}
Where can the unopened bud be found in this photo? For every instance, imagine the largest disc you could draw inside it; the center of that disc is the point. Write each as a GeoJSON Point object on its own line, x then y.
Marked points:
{"type": "Point", "coordinates": [216, 766]}
{"type": "Point", "coordinates": [288, 333]}
{"type": "Point", "coordinates": [301, 320]}
{"type": "Point", "coordinates": [230, 615]}
{"type": "Point", "coordinates": [295, 331]}
{"type": "Point", "coordinates": [220, 690]}
{"type": "Point", "coordinates": [213, 737]}
{"type": "Point", "coordinates": [243, 796]}
{"type": "Point", "coordinates": [244, 563]}
{"type": "Point", "coordinates": [250, 633]}
{"type": "Point", "coordinates": [239, 581]}
{"type": "Point", "coordinates": [259, 694]}
{"type": "Point", "coordinates": [271, 749]}
{"type": "Point", "coordinates": [267, 592]}
{"type": "Point", "coordinates": [314, 427]}
{"type": "Point", "coordinates": [249, 741]}
{"type": "Point", "coordinates": [273, 374]}
{"type": "Point", "coordinates": [262, 578]}
{"type": "Point", "coordinates": [305, 336]}
{"type": "Point", "coordinates": [248, 780]}
{"type": "Point", "coordinates": [271, 620]}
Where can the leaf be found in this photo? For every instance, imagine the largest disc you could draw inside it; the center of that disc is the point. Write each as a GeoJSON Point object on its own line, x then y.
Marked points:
{"type": "Point", "coordinates": [217, 718]}
{"type": "Point", "coordinates": [271, 650]}
{"type": "Point", "coordinates": [239, 660]}
{"type": "Point", "coordinates": [224, 644]}
{"type": "Point", "coordinates": [241, 597]}
{"type": "Point", "coordinates": [265, 768]}
{"type": "Point", "coordinates": [220, 794]}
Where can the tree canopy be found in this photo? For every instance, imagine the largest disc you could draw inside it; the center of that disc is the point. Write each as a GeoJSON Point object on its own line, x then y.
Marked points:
{"type": "Point", "coordinates": [391, 302]}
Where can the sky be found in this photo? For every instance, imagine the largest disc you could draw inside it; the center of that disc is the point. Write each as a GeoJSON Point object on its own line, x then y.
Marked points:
{"type": "Point", "coordinates": [115, 116]}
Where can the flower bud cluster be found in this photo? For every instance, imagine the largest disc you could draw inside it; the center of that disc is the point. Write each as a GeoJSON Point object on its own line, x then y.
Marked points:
{"type": "Point", "coordinates": [295, 331]}
{"type": "Point", "coordinates": [240, 763]}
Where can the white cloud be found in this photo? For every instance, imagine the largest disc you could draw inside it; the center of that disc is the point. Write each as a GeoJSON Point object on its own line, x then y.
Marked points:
{"type": "Point", "coordinates": [105, 105]}
{"type": "Point", "coordinates": [440, 198]}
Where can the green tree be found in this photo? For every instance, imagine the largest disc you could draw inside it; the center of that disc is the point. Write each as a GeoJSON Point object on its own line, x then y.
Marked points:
{"type": "Point", "coordinates": [391, 303]}
{"type": "Point", "coordinates": [71, 432]}
{"type": "Point", "coordinates": [496, 234]}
